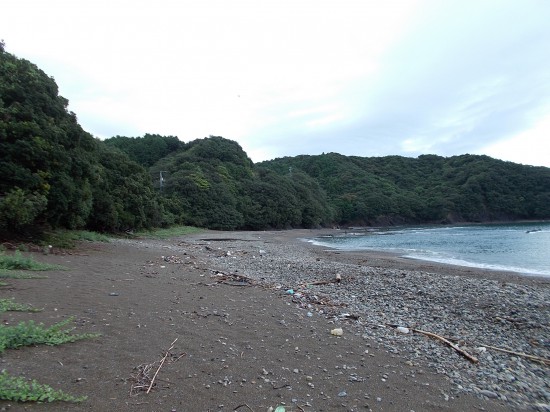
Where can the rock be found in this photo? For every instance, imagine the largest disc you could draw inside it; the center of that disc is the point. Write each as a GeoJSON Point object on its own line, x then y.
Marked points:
{"type": "Point", "coordinates": [337, 332]}
{"type": "Point", "coordinates": [489, 394]}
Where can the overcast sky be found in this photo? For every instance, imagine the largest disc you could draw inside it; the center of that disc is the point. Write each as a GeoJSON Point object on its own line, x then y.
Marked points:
{"type": "Point", "coordinates": [283, 78]}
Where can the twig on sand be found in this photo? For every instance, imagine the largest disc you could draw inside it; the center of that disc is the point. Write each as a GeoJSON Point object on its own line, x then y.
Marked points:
{"type": "Point", "coordinates": [143, 381]}
{"type": "Point", "coordinates": [337, 279]}
{"type": "Point", "coordinates": [525, 355]}
{"type": "Point", "coordinates": [240, 406]}
{"type": "Point", "coordinates": [471, 358]}
{"type": "Point", "coordinates": [222, 277]}
{"type": "Point", "coordinates": [160, 365]}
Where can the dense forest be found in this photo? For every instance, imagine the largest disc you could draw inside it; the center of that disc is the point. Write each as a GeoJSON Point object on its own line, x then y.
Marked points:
{"type": "Point", "coordinates": [56, 175]}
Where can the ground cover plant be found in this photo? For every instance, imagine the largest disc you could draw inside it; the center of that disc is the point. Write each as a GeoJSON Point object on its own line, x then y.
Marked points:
{"type": "Point", "coordinates": [169, 232]}
{"type": "Point", "coordinates": [9, 305]}
{"type": "Point", "coordinates": [14, 388]}
{"type": "Point", "coordinates": [67, 239]}
{"type": "Point", "coordinates": [17, 261]}
{"type": "Point", "coordinates": [20, 275]}
{"type": "Point", "coordinates": [30, 333]}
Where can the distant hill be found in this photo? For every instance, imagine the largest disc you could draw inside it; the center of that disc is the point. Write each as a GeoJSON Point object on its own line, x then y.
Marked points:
{"type": "Point", "coordinates": [395, 189]}
{"type": "Point", "coordinates": [56, 175]}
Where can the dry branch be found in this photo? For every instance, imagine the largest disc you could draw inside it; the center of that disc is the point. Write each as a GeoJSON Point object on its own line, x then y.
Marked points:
{"type": "Point", "coordinates": [449, 343]}
{"type": "Point", "coordinates": [337, 279]}
{"type": "Point", "coordinates": [525, 355]}
{"type": "Point", "coordinates": [160, 365]}
{"type": "Point", "coordinates": [471, 358]}
{"type": "Point", "coordinates": [143, 381]}
{"type": "Point", "coordinates": [222, 277]}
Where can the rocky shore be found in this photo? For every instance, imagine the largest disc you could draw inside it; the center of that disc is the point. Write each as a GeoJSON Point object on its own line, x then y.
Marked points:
{"type": "Point", "coordinates": [385, 300]}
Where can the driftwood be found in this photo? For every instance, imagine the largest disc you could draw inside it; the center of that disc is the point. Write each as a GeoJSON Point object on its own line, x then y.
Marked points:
{"type": "Point", "coordinates": [471, 358]}
{"type": "Point", "coordinates": [337, 279]}
{"type": "Point", "coordinates": [160, 365]}
{"type": "Point", "coordinates": [143, 380]}
{"type": "Point", "coordinates": [227, 278]}
{"type": "Point", "coordinates": [525, 355]}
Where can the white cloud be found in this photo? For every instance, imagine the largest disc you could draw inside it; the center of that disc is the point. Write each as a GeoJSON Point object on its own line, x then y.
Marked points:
{"type": "Point", "coordinates": [528, 147]}
{"type": "Point", "coordinates": [286, 77]}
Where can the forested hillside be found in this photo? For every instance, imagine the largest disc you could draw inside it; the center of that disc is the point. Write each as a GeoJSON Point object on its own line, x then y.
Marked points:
{"type": "Point", "coordinates": [56, 175]}
{"type": "Point", "coordinates": [394, 189]}
{"type": "Point", "coordinates": [53, 173]}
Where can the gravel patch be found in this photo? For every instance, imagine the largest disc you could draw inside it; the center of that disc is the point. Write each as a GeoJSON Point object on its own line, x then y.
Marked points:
{"type": "Point", "coordinates": [475, 313]}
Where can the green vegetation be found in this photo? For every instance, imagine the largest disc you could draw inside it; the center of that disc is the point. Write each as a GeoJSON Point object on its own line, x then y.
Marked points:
{"type": "Point", "coordinates": [29, 333]}
{"type": "Point", "coordinates": [19, 262]}
{"type": "Point", "coordinates": [57, 176]}
{"type": "Point", "coordinates": [67, 239]}
{"type": "Point", "coordinates": [19, 275]}
{"type": "Point", "coordinates": [21, 390]}
{"type": "Point", "coordinates": [173, 231]}
{"type": "Point", "coordinates": [394, 189]}
{"type": "Point", "coordinates": [9, 305]}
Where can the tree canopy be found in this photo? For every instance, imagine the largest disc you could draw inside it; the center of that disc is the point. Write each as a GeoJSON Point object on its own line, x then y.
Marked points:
{"type": "Point", "coordinates": [56, 175]}
{"type": "Point", "coordinates": [53, 172]}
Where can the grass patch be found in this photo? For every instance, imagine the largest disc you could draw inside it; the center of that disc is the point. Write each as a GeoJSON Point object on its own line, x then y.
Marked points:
{"type": "Point", "coordinates": [20, 275]}
{"type": "Point", "coordinates": [19, 262]}
{"type": "Point", "coordinates": [19, 389]}
{"type": "Point", "coordinates": [30, 333]}
{"type": "Point", "coordinates": [169, 232]}
{"type": "Point", "coordinates": [67, 239]}
{"type": "Point", "coordinates": [9, 305]}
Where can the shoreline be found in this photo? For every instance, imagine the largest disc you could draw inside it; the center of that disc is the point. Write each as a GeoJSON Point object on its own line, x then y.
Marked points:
{"type": "Point", "coordinates": [246, 340]}
{"type": "Point", "coordinates": [475, 308]}
{"type": "Point", "coordinates": [383, 258]}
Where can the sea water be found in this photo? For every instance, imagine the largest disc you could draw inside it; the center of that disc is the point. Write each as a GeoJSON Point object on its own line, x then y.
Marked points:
{"type": "Point", "coordinates": [516, 247]}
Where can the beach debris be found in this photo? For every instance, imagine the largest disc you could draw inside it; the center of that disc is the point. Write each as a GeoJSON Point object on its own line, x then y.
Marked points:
{"type": "Point", "coordinates": [349, 316]}
{"type": "Point", "coordinates": [337, 279]}
{"type": "Point", "coordinates": [337, 332]}
{"type": "Point", "coordinates": [173, 259]}
{"type": "Point", "coordinates": [245, 405]}
{"type": "Point", "coordinates": [402, 329]}
{"type": "Point", "coordinates": [544, 361]}
{"type": "Point", "coordinates": [232, 279]}
{"type": "Point", "coordinates": [290, 292]}
{"type": "Point", "coordinates": [471, 358]}
{"type": "Point", "coordinates": [143, 380]}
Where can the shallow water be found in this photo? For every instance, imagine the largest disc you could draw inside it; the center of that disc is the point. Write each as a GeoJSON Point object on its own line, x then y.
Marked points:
{"type": "Point", "coordinates": [516, 247]}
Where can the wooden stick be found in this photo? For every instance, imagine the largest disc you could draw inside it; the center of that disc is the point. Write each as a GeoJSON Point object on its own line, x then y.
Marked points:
{"type": "Point", "coordinates": [160, 366]}
{"type": "Point", "coordinates": [337, 279]}
{"type": "Point", "coordinates": [471, 358]}
{"type": "Point", "coordinates": [525, 355]}
{"type": "Point", "coordinates": [240, 406]}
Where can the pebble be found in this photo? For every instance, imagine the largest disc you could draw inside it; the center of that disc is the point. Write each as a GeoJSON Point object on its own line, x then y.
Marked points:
{"type": "Point", "coordinates": [489, 394]}
{"type": "Point", "coordinates": [475, 311]}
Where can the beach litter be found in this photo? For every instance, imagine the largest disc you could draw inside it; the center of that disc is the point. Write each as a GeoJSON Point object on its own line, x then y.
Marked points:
{"type": "Point", "coordinates": [143, 381]}
{"type": "Point", "coordinates": [337, 332]}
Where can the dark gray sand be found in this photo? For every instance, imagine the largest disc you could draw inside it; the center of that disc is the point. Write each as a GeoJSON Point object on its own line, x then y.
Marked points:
{"type": "Point", "coordinates": [244, 343]}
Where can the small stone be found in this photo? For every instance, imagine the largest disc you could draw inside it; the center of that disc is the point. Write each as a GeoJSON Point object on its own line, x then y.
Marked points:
{"type": "Point", "coordinates": [489, 394]}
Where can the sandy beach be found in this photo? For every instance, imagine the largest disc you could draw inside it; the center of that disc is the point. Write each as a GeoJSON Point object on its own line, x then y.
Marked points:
{"type": "Point", "coordinates": [243, 341]}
